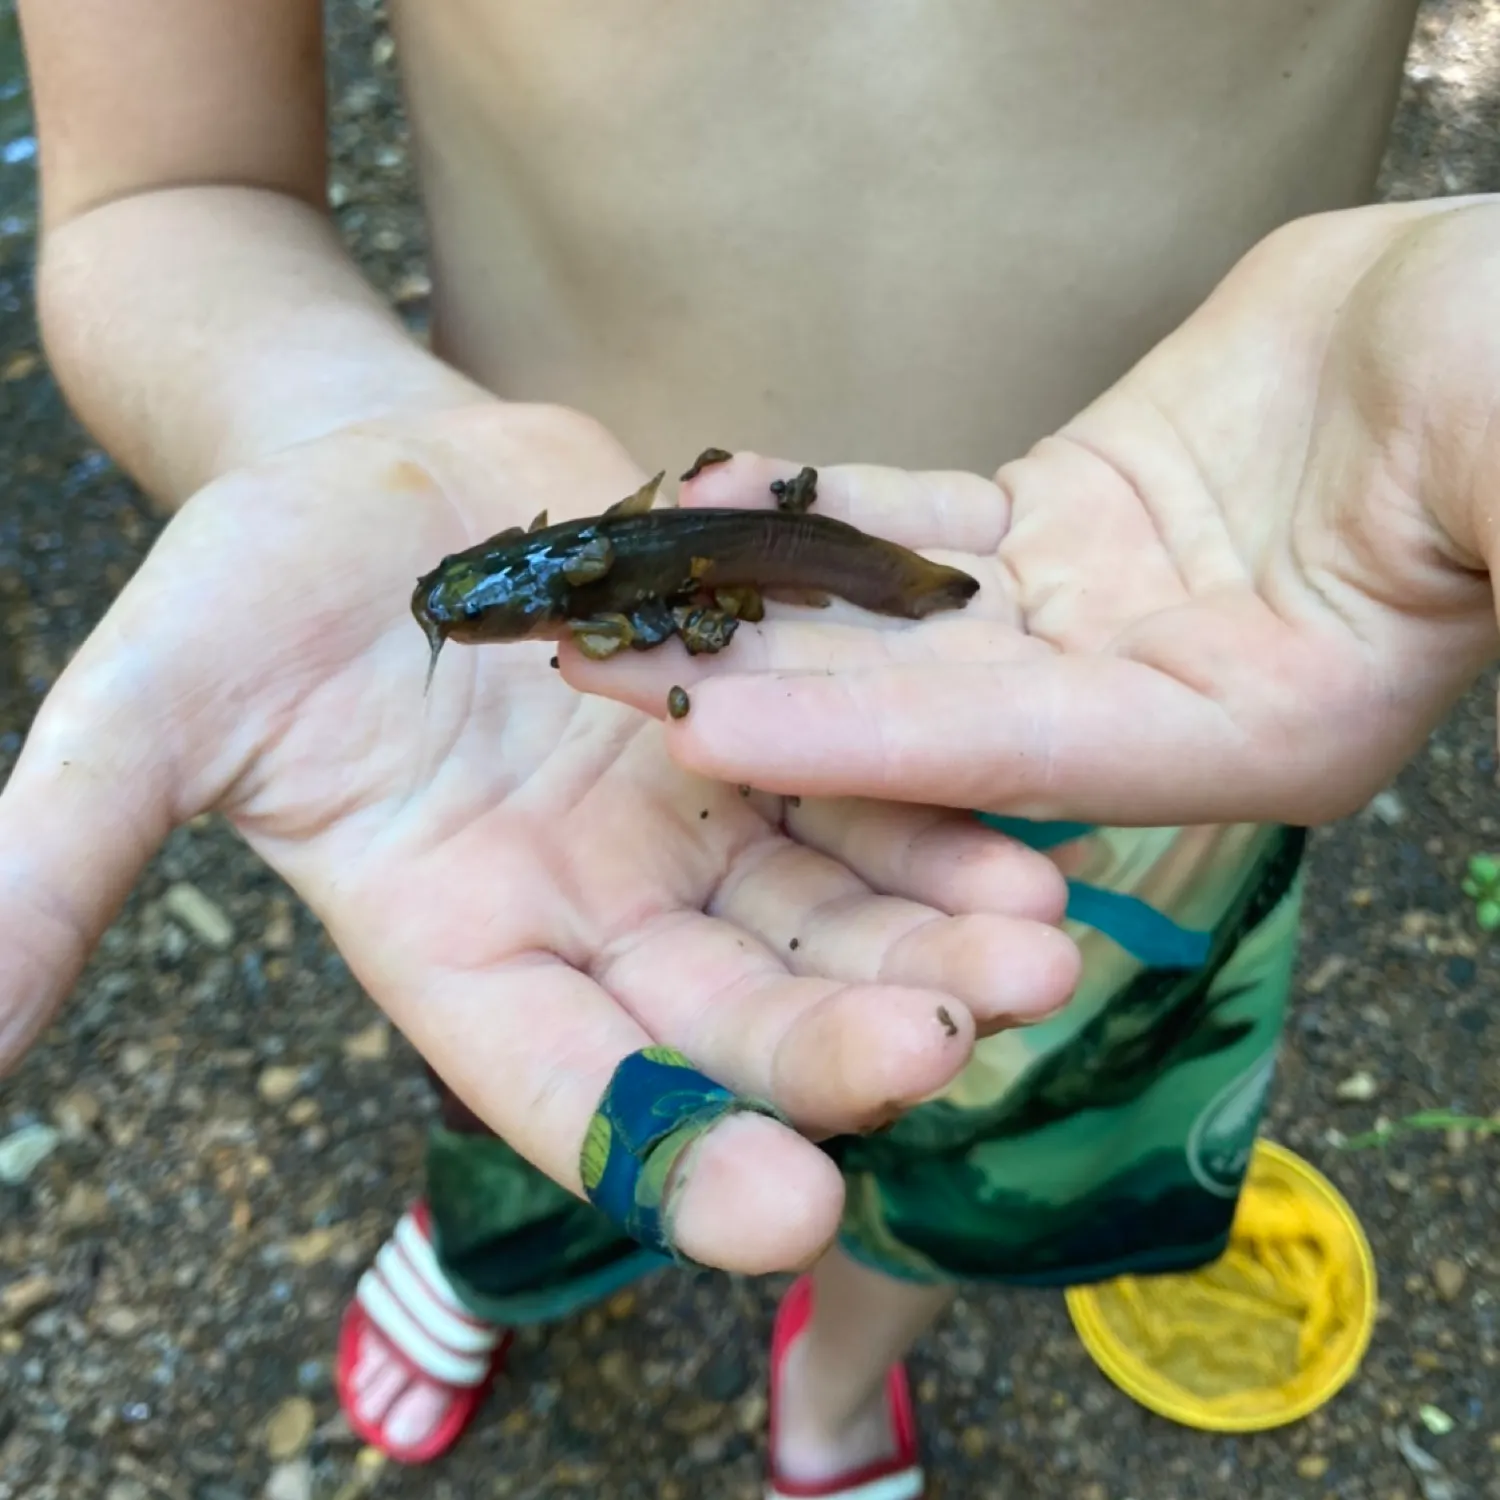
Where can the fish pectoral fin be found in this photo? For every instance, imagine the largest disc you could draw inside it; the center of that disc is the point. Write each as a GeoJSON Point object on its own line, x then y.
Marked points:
{"type": "Point", "coordinates": [601, 635]}
{"type": "Point", "coordinates": [640, 502]}
{"type": "Point", "coordinates": [589, 561]}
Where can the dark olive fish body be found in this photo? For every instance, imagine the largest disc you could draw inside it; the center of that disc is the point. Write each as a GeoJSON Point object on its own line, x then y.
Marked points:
{"type": "Point", "coordinates": [635, 576]}
{"type": "Point", "coordinates": [669, 552]}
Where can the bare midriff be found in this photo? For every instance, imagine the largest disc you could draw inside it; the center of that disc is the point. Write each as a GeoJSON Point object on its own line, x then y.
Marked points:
{"type": "Point", "coordinates": [918, 234]}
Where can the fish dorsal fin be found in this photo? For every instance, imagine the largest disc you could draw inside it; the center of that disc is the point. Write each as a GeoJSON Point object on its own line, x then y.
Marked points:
{"type": "Point", "coordinates": [640, 502]}
{"type": "Point", "coordinates": [538, 522]}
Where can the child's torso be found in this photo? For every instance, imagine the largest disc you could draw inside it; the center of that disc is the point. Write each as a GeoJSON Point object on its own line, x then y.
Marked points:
{"type": "Point", "coordinates": [905, 233]}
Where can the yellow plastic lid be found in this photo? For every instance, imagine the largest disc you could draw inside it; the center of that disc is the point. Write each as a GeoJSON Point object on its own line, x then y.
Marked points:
{"type": "Point", "coordinates": [1266, 1334]}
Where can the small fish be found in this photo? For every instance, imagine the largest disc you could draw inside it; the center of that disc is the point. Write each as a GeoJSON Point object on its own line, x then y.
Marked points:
{"type": "Point", "coordinates": [636, 576]}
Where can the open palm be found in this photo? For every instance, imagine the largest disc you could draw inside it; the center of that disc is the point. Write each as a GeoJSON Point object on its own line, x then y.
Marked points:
{"type": "Point", "coordinates": [1243, 584]}
{"type": "Point", "coordinates": [518, 875]}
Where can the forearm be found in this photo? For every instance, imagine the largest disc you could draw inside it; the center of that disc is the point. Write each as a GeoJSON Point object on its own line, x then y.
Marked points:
{"type": "Point", "coordinates": [196, 329]}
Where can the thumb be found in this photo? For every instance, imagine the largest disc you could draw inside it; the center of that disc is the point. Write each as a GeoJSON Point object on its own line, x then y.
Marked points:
{"type": "Point", "coordinates": [91, 799]}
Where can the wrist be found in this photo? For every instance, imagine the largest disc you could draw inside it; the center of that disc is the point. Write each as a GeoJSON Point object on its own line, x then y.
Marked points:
{"type": "Point", "coordinates": [198, 330]}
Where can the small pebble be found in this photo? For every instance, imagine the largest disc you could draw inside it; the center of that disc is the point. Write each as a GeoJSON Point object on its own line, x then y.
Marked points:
{"type": "Point", "coordinates": [199, 915]}
{"type": "Point", "coordinates": [750, 1413]}
{"type": "Point", "coordinates": [1436, 1420]}
{"type": "Point", "coordinates": [373, 1044]}
{"type": "Point", "coordinates": [1388, 808]}
{"type": "Point", "coordinates": [289, 1428]}
{"type": "Point", "coordinates": [1312, 1466]}
{"type": "Point", "coordinates": [84, 1206]}
{"type": "Point", "coordinates": [281, 930]}
{"type": "Point", "coordinates": [121, 1322]}
{"type": "Point", "coordinates": [135, 1058]}
{"type": "Point", "coordinates": [172, 942]}
{"type": "Point", "coordinates": [76, 1113]}
{"type": "Point", "coordinates": [678, 703]}
{"type": "Point", "coordinates": [1357, 1088]}
{"type": "Point", "coordinates": [23, 1299]}
{"type": "Point", "coordinates": [1448, 1276]}
{"type": "Point", "coordinates": [22, 1152]}
{"type": "Point", "coordinates": [1326, 973]}
{"type": "Point", "coordinates": [277, 1084]}
{"type": "Point", "coordinates": [411, 288]}
{"type": "Point", "coordinates": [290, 1481]}
{"type": "Point", "coordinates": [315, 1246]}
{"type": "Point", "coordinates": [303, 1111]}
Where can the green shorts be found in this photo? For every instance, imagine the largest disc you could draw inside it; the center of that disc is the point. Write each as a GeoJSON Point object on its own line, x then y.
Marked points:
{"type": "Point", "coordinates": [1111, 1141]}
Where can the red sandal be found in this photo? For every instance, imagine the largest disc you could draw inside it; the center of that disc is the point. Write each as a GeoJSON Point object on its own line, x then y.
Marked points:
{"type": "Point", "coordinates": [897, 1478]}
{"type": "Point", "coordinates": [406, 1298]}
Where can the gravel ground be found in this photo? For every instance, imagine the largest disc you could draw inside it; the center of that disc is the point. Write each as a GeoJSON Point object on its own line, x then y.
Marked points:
{"type": "Point", "coordinates": [236, 1128]}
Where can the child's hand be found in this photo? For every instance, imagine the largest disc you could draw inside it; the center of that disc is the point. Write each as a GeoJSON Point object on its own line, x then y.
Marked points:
{"type": "Point", "coordinates": [1244, 584]}
{"type": "Point", "coordinates": [517, 874]}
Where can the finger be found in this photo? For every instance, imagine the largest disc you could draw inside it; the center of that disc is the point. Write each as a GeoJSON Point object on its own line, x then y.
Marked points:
{"type": "Point", "coordinates": [834, 1057]}
{"type": "Point", "coordinates": [816, 913]}
{"type": "Point", "coordinates": [920, 509]}
{"type": "Point", "coordinates": [782, 645]}
{"type": "Point", "coordinates": [1099, 739]}
{"type": "Point", "coordinates": [91, 799]}
{"type": "Point", "coordinates": [532, 1049]}
{"type": "Point", "coordinates": [946, 860]}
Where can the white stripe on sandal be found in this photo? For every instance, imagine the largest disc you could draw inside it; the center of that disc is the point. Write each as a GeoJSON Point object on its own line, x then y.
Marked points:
{"type": "Point", "coordinates": [461, 1335]}
{"type": "Point", "coordinates": [424, 1351]}
{"type": "Point", "coordinates": [409, 1300]}
{"type": "Point", "coordinates": [418, 1250]}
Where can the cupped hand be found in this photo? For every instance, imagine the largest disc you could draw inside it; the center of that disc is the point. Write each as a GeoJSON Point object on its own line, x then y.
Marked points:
{"type": "Point", "coordinates": [517, 874]}
{"type": "Point", "coordinates": [1243, 585]}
